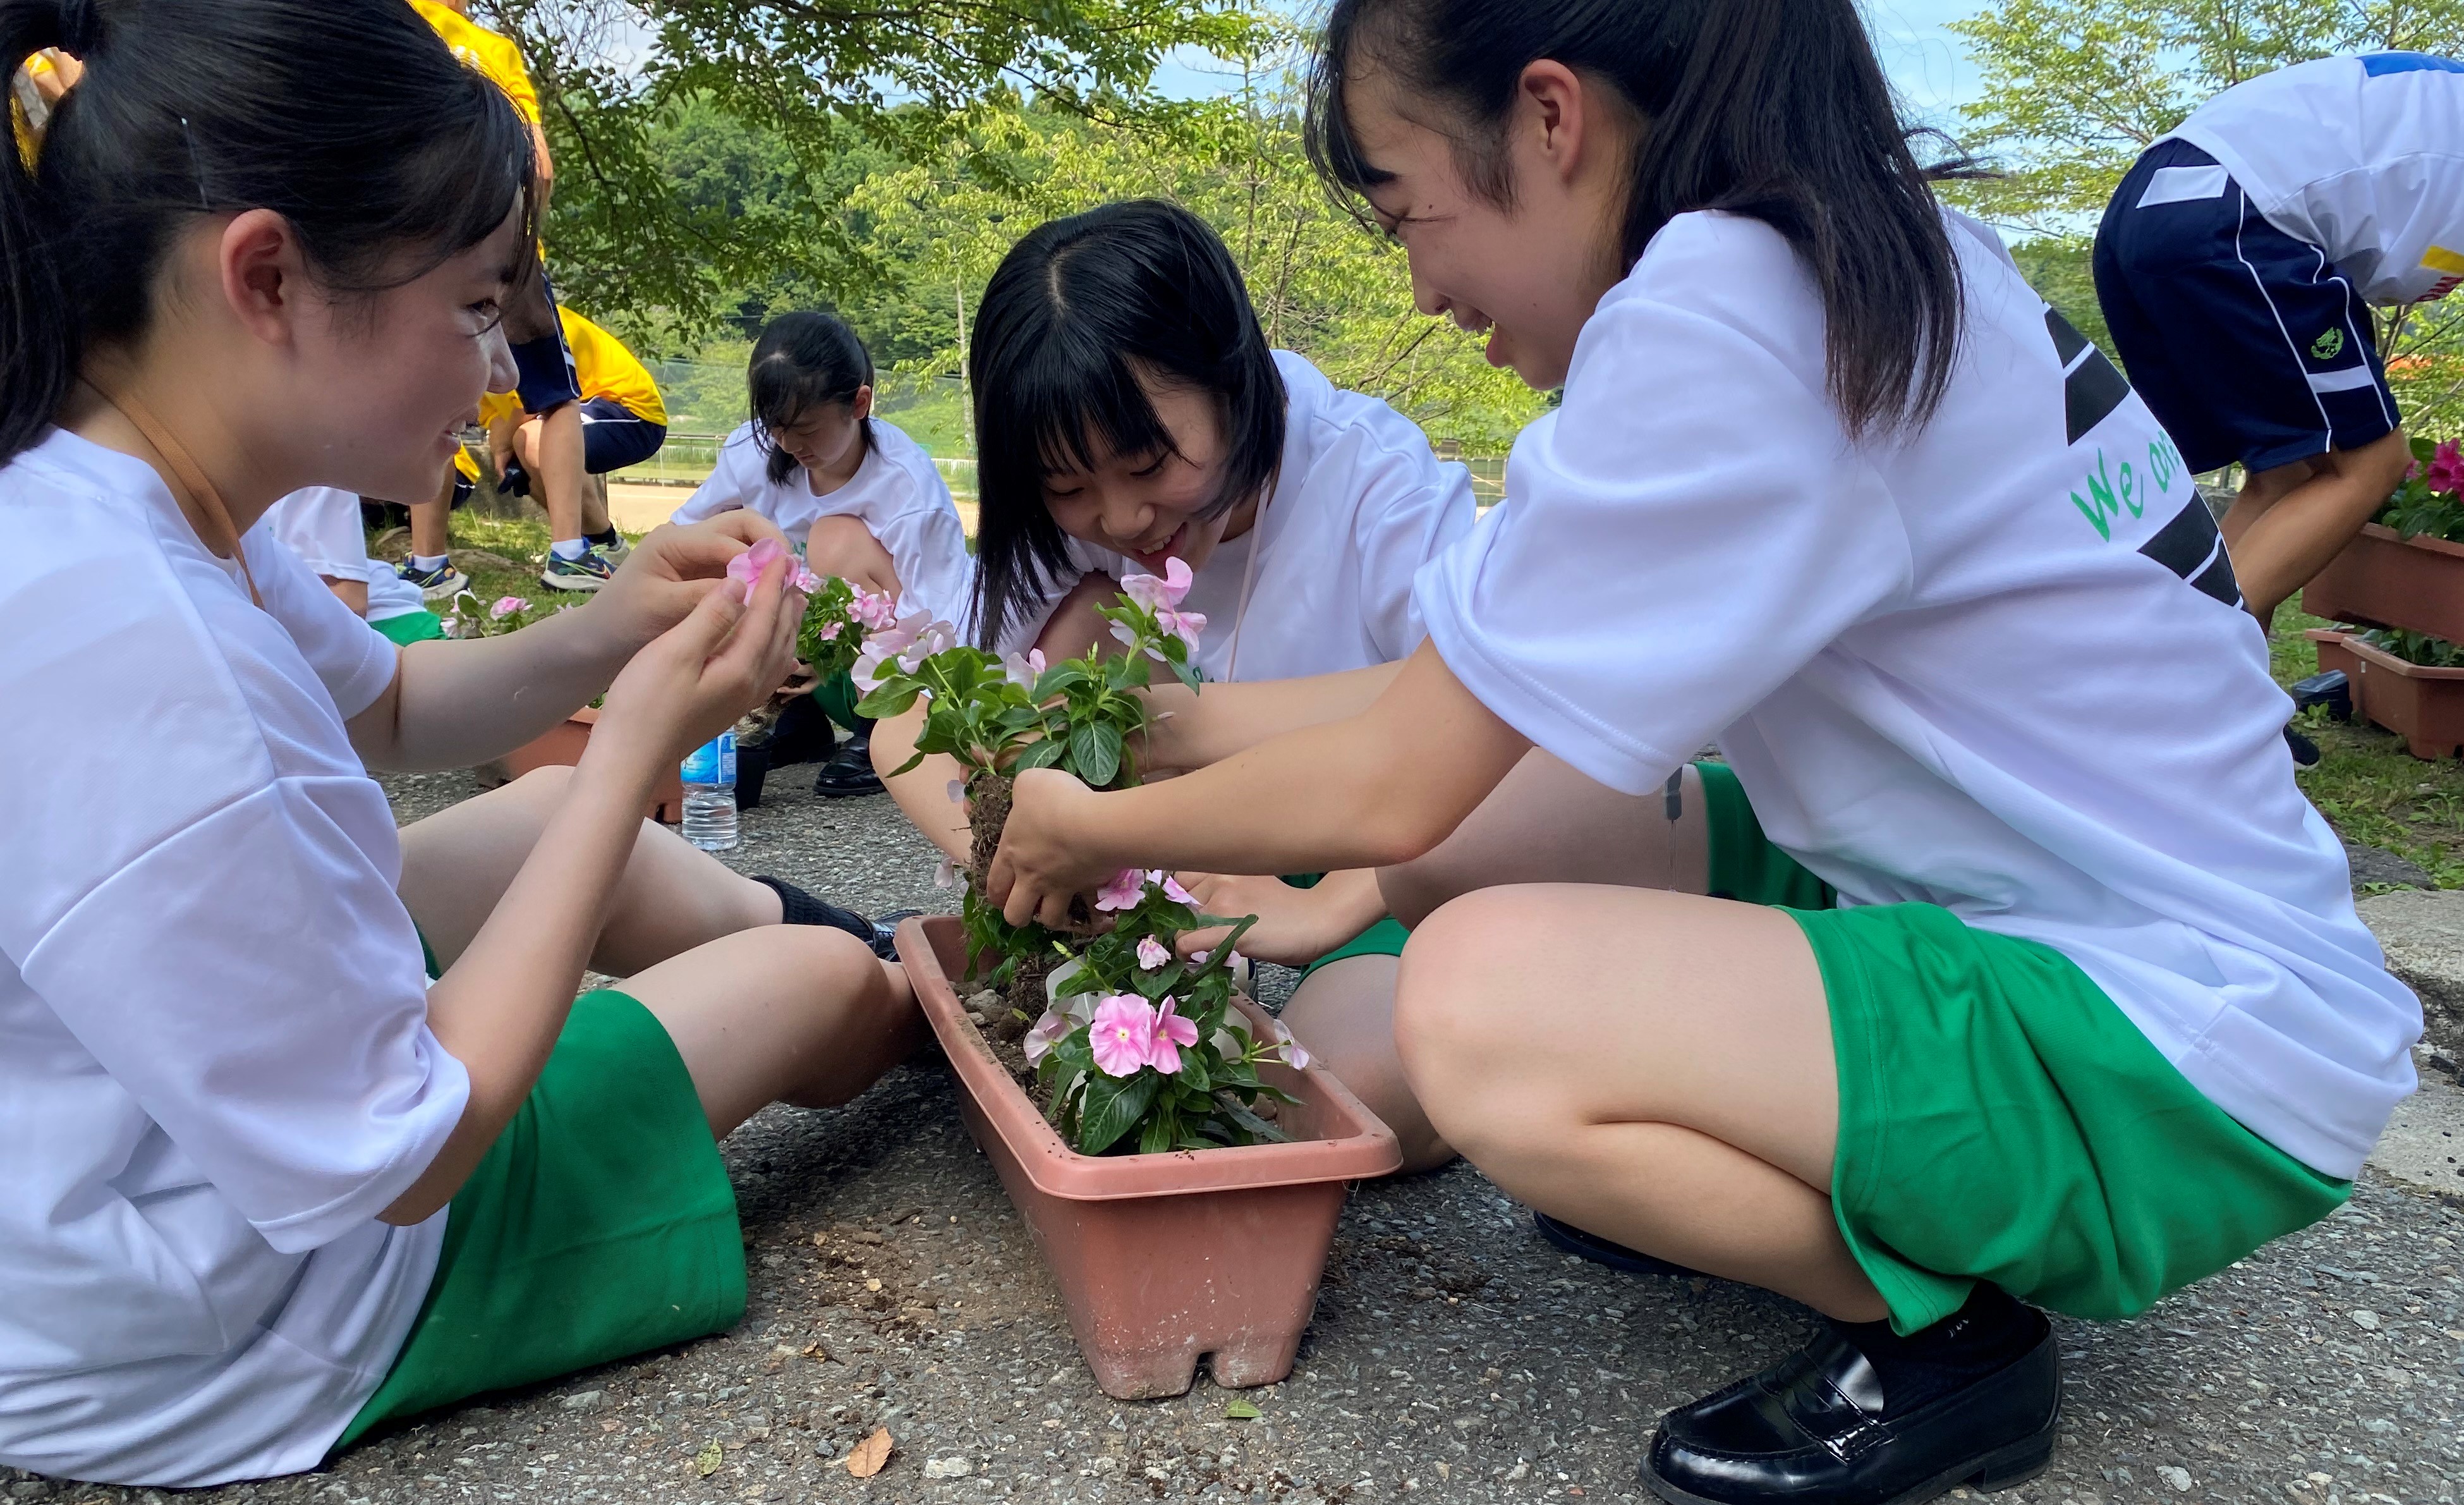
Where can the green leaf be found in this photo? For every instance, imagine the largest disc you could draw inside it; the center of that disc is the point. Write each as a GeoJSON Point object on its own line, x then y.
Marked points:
{"type": "Point", "coordinates": [1042, 753]}
{"type": "Point", "coordinates": [1236, 1409]}
{"type": "Point", "coordinates": [1257, 1126]}
{"type": "Point", "coordinates": [1111, 1106]}
{"type": "Point", "coordinates": [891, 698]}
{"type": "Point", "coordinates": [1103, 765]}
{"type": "Point", "coordinates": [1159, 1134]}
{"type": "Point", "coordinates": [1193, 1073]}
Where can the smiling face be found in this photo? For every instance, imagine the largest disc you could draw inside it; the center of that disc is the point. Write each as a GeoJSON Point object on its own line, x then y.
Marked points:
{"type": "Point", "coordinates": [382, 385]}
{"type": "Point", "coordinates": [827, 440]}
{"type": "Point", "coordinates": [1148, 506]}
{"type": "Point", "coordinates": [1528, 272]}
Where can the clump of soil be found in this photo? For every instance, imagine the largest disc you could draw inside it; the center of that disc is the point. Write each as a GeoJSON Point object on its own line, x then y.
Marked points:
{"type": "Point", "coordinates": [1004, 1033]}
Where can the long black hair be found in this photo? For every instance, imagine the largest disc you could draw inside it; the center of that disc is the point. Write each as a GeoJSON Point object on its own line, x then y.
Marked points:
{"type": "Point", "coordinates": [1774, 109]}
{"type": "Point", "coordinates": [1077, 313]}
{"type": "Point", "coordinates": [350, 117]}
{"type": "Point", "coordinates": [802, 361]}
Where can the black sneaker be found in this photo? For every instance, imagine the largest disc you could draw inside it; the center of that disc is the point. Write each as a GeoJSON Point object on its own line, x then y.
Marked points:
{"type": "Point", "coordinates": [442, 583]}
{"type": "Point", "coordinates": [589, 573]}
{"type": "Point", "coordinates": [2305, 752]}
{"type": "Point", "coordinates": [1818, 1426]}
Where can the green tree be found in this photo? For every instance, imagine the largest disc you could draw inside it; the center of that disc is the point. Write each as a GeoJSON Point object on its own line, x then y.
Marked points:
{"type": "Point", "coordinates": [2075, 90]}
{"type": "Point", "coordinates": [814, 78]}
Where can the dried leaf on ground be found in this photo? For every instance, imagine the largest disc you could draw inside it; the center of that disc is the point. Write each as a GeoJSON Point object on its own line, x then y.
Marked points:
{"type": "Point", "coordinates": [870, 1455]}
{"type": "Point", "coordinates": [706, 1461]}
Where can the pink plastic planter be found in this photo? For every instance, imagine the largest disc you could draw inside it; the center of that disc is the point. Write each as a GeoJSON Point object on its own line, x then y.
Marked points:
{"type": "Point", "coordinates": [2383, 580]}
{"type": "Point", "coordinates": [1164, 1258]}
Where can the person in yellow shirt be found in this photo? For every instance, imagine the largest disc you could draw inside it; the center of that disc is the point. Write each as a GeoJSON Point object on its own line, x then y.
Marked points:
{"type": "Point", "coordinates": [544, 364]}
{"type": "Point", "coordinates": [624, 422]}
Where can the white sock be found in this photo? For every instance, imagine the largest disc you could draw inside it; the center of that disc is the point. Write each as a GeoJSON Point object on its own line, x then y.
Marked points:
{"type": "Point", "coordinates": [569, 548]}
{"type": "Point", "coordinates": [423, 563]}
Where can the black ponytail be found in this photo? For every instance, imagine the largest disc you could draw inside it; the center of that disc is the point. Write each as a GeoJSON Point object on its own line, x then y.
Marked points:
{"type": "Point", "coordinates": [802, 361]}
{"type": "Point", "coordinates": [1080, 315]}
{"type": "Point", "coordinates": [350, 117]}
{"type": "Point", "coordinates": [1776, 109]}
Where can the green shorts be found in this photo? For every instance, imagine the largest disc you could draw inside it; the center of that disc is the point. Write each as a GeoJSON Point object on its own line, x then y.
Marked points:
{"type": "Point", "coordinates": [412, 627]}
{"type": "Point", "coordinates": [837, 697]}
{"type": "Point", "coordinates": [601, 1224]}
{"type": "Point", "coordinates": [1744, 865]}
{"type": "Point", "coordinates": [2001, 1119]}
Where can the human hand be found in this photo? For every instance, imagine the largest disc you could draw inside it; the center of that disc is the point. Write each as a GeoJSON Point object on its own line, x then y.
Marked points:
{"type": "Point", "coordinates": [845, 548]}
{"type": "Point", "coordinates": [1295, 925]}
{"type": "Point", "coordinates": [695, 680]}
{"type": "Point", "coordinates": [1043, 861]}
{"type": "Point", "coordinates": [669, 572]}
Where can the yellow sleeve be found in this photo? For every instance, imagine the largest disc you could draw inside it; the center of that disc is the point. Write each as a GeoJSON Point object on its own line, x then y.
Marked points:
{"type": "Point", "coordinates": [494, 55]}
{"type": "Point", "coordinates": [606, 369]}
{"type": "Point", "coordinates": [498, 405]}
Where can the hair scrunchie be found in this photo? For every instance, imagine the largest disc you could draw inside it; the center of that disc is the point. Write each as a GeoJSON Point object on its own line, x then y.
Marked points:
{"type": "Point", "coordinates": [81, 28]}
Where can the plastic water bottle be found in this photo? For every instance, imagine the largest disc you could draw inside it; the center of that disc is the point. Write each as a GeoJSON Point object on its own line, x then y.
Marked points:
{"type": "Point", "coordinates": [710, 794]}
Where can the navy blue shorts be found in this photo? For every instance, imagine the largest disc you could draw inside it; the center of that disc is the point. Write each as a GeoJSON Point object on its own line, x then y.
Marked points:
{"type": "Point", "coordinates": [614, 436]}
{"type": "Point", "coordinates": [2246, 343]}
{"type": "Point", "coordinates": [544, 379]}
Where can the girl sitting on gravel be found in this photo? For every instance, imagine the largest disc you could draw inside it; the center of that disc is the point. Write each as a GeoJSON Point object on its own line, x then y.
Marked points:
{"type": "Point", "coordinates": [2091, 1016]}
{"type": "Point", "coordinates": [263, 1186]}
{"type": "Point", "coordinates": [852, 490]}
{"type": "Point", "coordinates": [1131, 412]}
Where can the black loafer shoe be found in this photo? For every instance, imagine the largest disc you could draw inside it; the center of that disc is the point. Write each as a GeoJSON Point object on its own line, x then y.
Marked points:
{"type": "Point", "coordinates": [1599, 1250]}
{"type": "Point", "coordinates": [848, 771]}
{"type": "Point", "coordinates": [885, 931]}
{"type": "Point", "coordinates": [1811, 1429]}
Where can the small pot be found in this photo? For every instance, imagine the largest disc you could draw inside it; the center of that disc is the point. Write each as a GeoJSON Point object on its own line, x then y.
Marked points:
{"type": "Point", "coordinates": [751, 770]}
{"type": "Point", "coordinates": [2422, 705]}
{"type": "Point", "coordinates": [1162, 1259]}
{"type": "Point", "coordinates": [2383, 579]}
{"type": "Point", "coordinates": [562, 745]}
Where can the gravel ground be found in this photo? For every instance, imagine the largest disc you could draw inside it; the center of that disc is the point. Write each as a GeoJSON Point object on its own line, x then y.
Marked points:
{"type": "Point", "coordinates": [1453, 1356]}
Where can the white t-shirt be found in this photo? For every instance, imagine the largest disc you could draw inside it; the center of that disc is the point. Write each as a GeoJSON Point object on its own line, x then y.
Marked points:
{"type": "Point", "coordinates": [215, 1067]}
{"type": "Point", "coordinates": [1956, 669]}
{"type": "Point", "coordinates": [1359, 504]}
{"type": "Point", "coordinates": [2362, 157]}
{"type": "Point", "coordinates": [895, 493]}
{"type": "Point", "coordinates": [322, 526]}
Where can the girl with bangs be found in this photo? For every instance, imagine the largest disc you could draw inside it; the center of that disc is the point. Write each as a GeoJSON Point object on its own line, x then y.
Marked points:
{"type": "Point", "coordinates": [1132, 419]}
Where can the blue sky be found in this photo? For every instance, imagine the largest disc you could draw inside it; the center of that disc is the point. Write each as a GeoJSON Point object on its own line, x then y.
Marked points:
{"type": "Point", "coordinates": [1925, 61]}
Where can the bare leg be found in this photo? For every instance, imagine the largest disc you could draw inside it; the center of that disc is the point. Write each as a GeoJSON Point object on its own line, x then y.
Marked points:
{"type": "Point", "coordinates": [594, 505]}
{"type": "Point", "coordinates": [1675, 1091]}
{"type": "Point", "coordinates": [1345, 1014]}
{"type": "Point", "coordinates": [1547, 823]}
{"type": "Point", "coordinates": [554, 463]}
{"type": "Point", "coordinates": [786, 1014]}
{"type": "Point", "coordinates": [431, 521]}
{"type": "Point", "coordinates": [2299, 523]}
{"type": "Point", "coordinates": [457, 863]}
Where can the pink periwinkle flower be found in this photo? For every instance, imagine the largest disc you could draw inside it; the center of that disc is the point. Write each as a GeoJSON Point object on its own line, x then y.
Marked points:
{"type": "Point", "coordinates": [1048, 1031]}
{"type": "Point", "coordinates": [1171, 888]}
{"type": "Point", "coordinates": [2447, 468]}
{"type": "Point", "coordinates": [870, 611]}
{"type": "Point", "coordinates": [1159, 592]}
{"type": "Point", "coordinates": [507, 605]}
{"type": "Point", "coordinates": [1182, 625]}
{"type": "Point", "coordinates": [930, 638]}
{"type": "Point", "coordinates": [1122, 1034]}
{"type": "Point", "coordinates": [744, 571]}
{"type": "Point", "coordinates": [1172, 1034]}
{"type": "Point", "coordinates": [1123, 892]}
{"type": "Point", "coordinates": [1024, 669]}
{"type": "Point", "coordinates": [800, 578]}
{"type": "Point", "coordinates": [1152, 954]}
{"type": "Point", "coordinates": [958, 791]}
{"type": "Point", "coordinates": [830, 632]}
{"type": "Point", "coordinates": [945, 874]}
{"type": "Point", "coordinates": [1295, 1054]}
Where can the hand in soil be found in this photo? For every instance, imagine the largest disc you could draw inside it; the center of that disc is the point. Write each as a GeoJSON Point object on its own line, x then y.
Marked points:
{"type": "Point", "coordinates": [1041, 865]}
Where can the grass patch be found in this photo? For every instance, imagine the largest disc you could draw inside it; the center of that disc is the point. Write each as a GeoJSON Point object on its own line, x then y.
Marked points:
{"type": "Point", "coordinates": [2369, 788]}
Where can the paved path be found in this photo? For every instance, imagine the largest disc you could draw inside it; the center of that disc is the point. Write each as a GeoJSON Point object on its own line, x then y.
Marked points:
{"type": "Point", "coordinates": [1454, 1357]}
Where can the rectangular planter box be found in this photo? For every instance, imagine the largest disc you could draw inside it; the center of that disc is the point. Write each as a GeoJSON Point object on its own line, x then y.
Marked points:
{"type": "Point", "coordinates": [2381, 580]}
{"type": "Point", "coordinates": [1163, 1258]}
{"type": "Point", "coordinates": [562, 745]}
{"type": "Point", "coordinates": [2422, 706]}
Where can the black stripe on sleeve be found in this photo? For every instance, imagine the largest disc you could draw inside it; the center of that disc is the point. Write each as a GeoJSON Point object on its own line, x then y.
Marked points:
{"type": "Point", "coordinates": [2068, 341]}
{"type": "Point", "coordinates": [2191, 547]}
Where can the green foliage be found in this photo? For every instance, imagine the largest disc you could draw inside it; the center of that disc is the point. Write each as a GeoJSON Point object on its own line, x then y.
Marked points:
{"type": "Point", "coordinates": [2415, 648]}
{"type": "Point", "coordinates": [830, 636]}
{"type": "Point", "coordinates": [2075, 90]}
{"type": "Point", "coordinates": [2418, 507]}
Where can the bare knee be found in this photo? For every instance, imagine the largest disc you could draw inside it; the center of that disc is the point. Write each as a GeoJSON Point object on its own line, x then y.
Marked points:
{"type": "Point", "coordinates": [1456, 1005]}
{"type": "Point", "coordinates": [1413, 890]}
{"type": "Point", "coordinates": [542, 788]}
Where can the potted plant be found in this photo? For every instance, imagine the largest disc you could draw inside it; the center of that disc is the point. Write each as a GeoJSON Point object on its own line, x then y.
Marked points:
{"type": "Point", "coordinates": [2409, 684]}
{"type": "Point", "coordinates": [2405, 570]}
{"type": "Point", "coordinates": [1178, 1160]}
